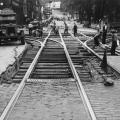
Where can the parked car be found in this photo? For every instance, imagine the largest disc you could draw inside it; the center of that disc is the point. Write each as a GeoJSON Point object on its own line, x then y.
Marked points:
{"type": "Point", "coordinates": [10, 33]}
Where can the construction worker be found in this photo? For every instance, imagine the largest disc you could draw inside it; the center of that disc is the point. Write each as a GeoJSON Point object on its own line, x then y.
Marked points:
{"type": "Point", "coordinates": [96, 40]}
{"type": "Point", "coordinates": [66, 28]}
{"type": "Point", "coordinates": [30, 26]}
{"type": "Point", "coordinates": [104, 34]}
{"type": "Point", "coordinates": [57, 30]}
{"type": "Point", "coordinates": [54, 27]}
{"type": "Point", "coordinates": [75, 29]}
{"type": "Point", "coordinates": [114, 43]}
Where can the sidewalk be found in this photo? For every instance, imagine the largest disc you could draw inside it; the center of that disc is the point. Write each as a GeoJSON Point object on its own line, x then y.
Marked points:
{"type": "Point", "coordinates": [8, 54]}
{"type": "Point", "coordinates": [114, 61]}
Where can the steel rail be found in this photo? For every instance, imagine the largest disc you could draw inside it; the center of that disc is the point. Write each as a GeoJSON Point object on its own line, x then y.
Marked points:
{"type": "Point", "coordinates": [81, 89]}
{"type": "Point", "coordinates": [19, 90]}
{"type": "Point", "coordinates": [85, 46]}
{"type": "Point", "coordinates": [57, 42]}
{"type": "Point", "coordinates": [92, 38]}
{"type": "Point", "coordinates": [85, 35]}
{"type": "Point", "coordinates": [93, 52]}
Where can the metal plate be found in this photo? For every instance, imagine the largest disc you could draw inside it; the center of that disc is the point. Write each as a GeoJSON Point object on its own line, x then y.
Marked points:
{"type": "Point", "coordinates": [51, 80]}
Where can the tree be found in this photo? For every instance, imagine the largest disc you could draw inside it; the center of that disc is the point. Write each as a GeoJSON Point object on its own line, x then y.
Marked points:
{"type": "Point", "coordinates": [97, 9]}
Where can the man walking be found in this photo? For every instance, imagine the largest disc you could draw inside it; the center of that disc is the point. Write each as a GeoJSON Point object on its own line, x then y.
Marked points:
{"type": "Point", "coordinates": [30, 26]}
{"type": "Point", "coordinates": [75, 29]}
{"type": "Point", "coordinates": [66, 28]}
{"type": "Point", "coordinates": [114, 44]}
{"type": "Point", "coordinates": [104, 34]}
{"type": "Point", "coordinates": [96, 40]}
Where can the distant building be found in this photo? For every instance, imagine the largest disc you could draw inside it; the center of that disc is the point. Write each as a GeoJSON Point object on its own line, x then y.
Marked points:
{"type": "Point", "coordinates": [49, 6]}
{"type": "Point", "coordinates": [17, 6]}
{"type": "Point", "coordinates": [33, 9]}
{"type": "Point", "coordinates": [55, 5]}
{"type": "Point", "coordinates": [25, 9]}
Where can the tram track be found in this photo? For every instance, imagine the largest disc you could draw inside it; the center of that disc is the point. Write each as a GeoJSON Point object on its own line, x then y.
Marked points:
{"type": "Point", "coordinates": [8, 89]}
{"type": "Point", "coordinates": [89, 41]}
{"type": "Point", "coordinates": [83, 55]}
{"type": "Point", "coordinates": [51, 70]}
{"type": "Point", "coordinates": [57, 65]}
{"type": "Point", "coordinates": [30, 52]}
{"type": "Point", "coordinates": [87, 64]}
{"type": "Point", "coordinates": [28, 57]}
{"type": "Point", "coordinates": [99, 50]}
{"type": "Point", "coordinates": [52, 81]}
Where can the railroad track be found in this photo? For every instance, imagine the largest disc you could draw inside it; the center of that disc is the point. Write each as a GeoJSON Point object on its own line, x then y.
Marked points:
{"type": "Point", "coordinates": [34, 44]}
{"type": "Point", "coordinates": [7, 90]}
{"type": "Point", "coordinates": [83, 55]}
{"type": "Point", "coordinates": [87, 64]}
{"type": "Point", "coordinates": [88, 40]}
{"type": "Point", "coordinates": [52, 78]}
{"type": "Point", "coordinates": [49, 89]}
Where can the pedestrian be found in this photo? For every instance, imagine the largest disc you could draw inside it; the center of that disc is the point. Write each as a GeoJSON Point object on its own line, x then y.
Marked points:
{"type": "Point", "coordinates": [96, 40]}
{"type": "Point", "coordinates": [41, 32]}
{"type": "Point", "coordinates": [57, 30]}
{"type": "Point", "coordinates": [1, 32]}
{"type": "Point", "coordinates": [114, 43]}
{"type": "Point", "coordinates": [30, 26]}
{"type": "Point", "coordinates": [66, 28]}
{"type": "Point", "coordinates": [27, 21]}
{"type": "Point", "coordinates": [75, 29]}
{"type": "Point", "coordinates": [104, 34]}
{"type": "Point", "coordinates": [40, 29]}
{"type": "Point", "coordinates": [54, 27]}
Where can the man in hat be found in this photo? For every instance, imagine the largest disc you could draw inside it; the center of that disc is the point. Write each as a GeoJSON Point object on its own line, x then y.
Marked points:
{"type": "Point", "coordinates": [114, 42]}
{"type": "Point", "coordinates": [104, 34]}
{"type": "Point", "coordinates": [30, 26]}
{"type": "Point", "coordinates": [96, 39]}
{"type": "Point", "coordinates": [75, 29]}
{"type": "Point", "coordinates": [66, 28]}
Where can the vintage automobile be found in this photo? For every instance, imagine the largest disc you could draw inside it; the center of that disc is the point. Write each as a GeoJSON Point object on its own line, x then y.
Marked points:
{"type": "Point", "coordinates": [9, 30]}
{"type": "Point", "coordinates": [10, 33]}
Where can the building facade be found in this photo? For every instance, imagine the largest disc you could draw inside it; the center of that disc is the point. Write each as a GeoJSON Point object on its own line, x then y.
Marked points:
{"type": "Point", "coordinates": [24, 8]}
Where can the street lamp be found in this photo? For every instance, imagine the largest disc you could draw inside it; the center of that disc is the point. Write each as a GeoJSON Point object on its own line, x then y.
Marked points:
{"type": "Point", "coordinates": [1, 5]}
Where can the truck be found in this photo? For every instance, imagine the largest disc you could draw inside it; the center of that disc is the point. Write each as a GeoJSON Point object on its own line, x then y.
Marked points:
{"type": "Point", "coordinates": [9, 30]}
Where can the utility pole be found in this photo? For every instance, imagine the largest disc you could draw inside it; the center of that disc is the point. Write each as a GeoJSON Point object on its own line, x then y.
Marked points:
{"type": "Point", "coordinates": [10, 4]}
{"type": "Point", "coordinates": [21, 14]}
{"type": "Point", "coordinates": [102, 9]}
{"type": "Point", "coordinates": [89, 12]}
